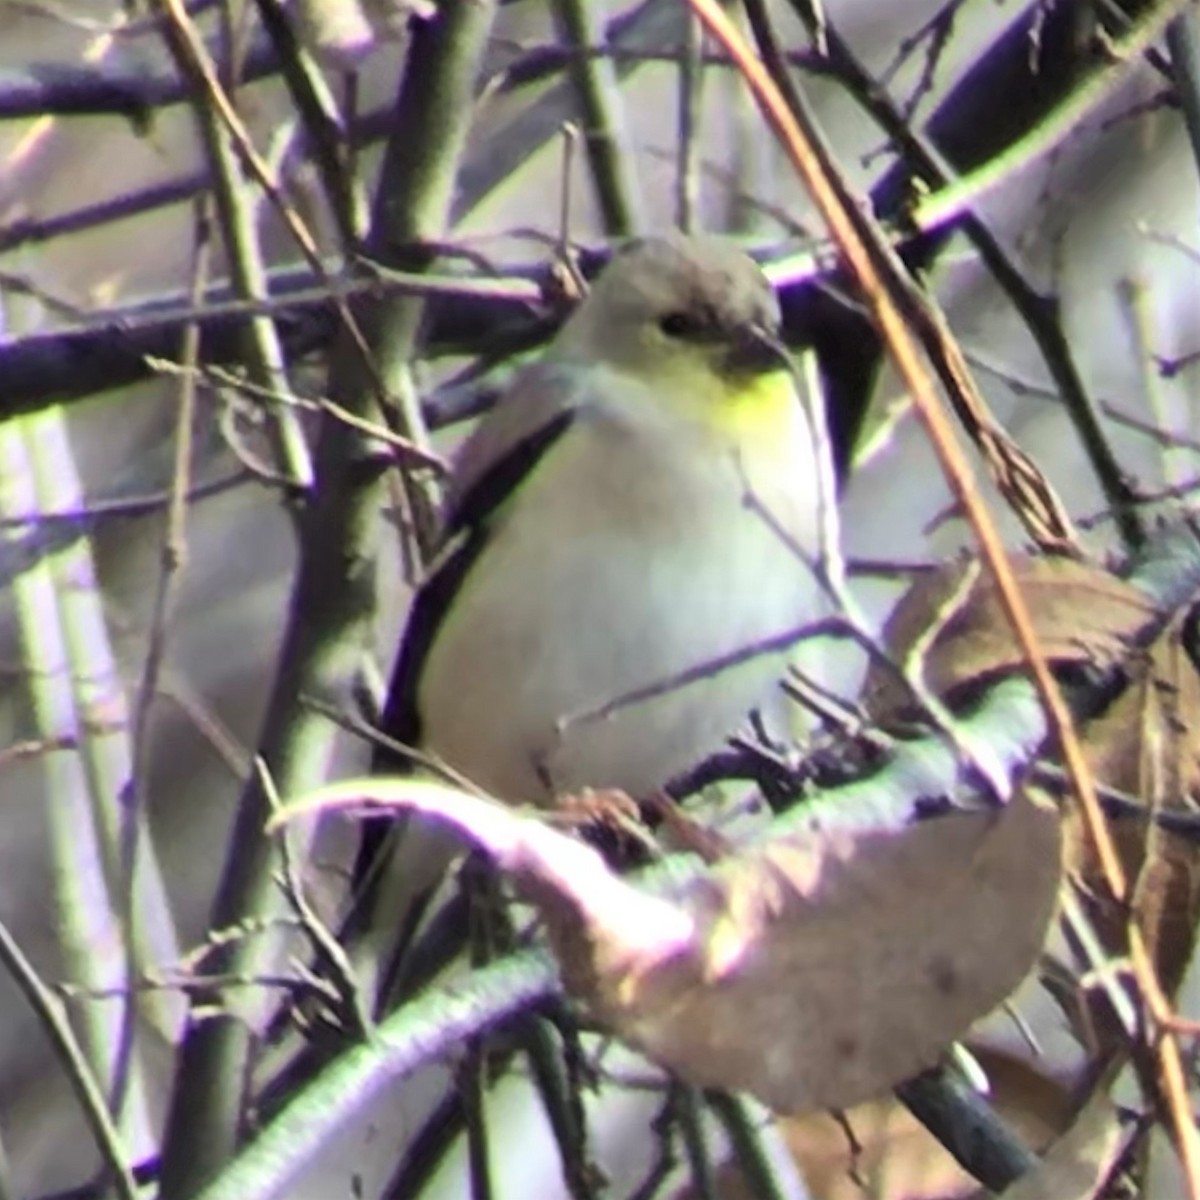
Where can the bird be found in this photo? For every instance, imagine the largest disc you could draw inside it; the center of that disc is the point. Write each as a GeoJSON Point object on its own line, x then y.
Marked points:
{"type": "Point", "coordinates": [631, 542]}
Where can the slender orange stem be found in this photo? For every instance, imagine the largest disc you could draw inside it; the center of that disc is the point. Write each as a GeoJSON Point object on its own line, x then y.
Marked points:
{"type": "Point", "coordinates": [853, 236]}
{"type": "Point", "coordinates": [909, 362]}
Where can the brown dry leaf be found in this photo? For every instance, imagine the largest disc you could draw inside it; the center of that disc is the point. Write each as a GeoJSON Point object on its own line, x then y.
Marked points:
{"type": "Point", "coordinates": [1081, 613]}
{"type": "Point", "coordinates": [828, 966]}
{"type": "Point", "coordinates": [1147, 745]}
{"type": "Point", "coordinates": [814, 968]}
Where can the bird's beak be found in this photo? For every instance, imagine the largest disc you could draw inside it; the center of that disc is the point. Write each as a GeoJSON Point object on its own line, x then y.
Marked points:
{"type": "Point", "coordinates": [756, 351]}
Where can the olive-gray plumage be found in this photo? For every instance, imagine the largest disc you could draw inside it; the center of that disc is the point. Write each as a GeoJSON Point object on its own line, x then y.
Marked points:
{"type": "Point", "coordinates": [610, 517]}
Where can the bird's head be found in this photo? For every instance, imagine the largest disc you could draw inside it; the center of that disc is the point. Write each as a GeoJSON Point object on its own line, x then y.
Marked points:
{"type": "Point", "coordinates": [693, 317]}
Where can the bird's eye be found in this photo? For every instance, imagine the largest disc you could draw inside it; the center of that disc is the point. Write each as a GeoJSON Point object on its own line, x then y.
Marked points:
{"type": "Point", "coordinates": [681, 325]}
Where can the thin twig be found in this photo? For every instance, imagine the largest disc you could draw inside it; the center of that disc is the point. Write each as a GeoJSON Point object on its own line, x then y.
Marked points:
{"type": "Point", "coordinates": [760, 1168]}
{"type": "Point", "coordinates": [563, 1105]}
{"type": "Point", "coordinates": [194, 57]}
{"type": "Point", "coordinates": [860, 245]}
{"type": "Point", "coordinates": [324, 128]}
{"type": "Point", "coordinates": [690, 93]}
{"type": "Point", "coordinates": [236, 211]}
{"type": "Point", "coordinates": [174, 546]}
{"type": "Point", "coordinates": [689, 1113]}
{"type": "Point", "coordinates": [1040, 313]}
{"type": "Point", "coordinates": [79, 1075]}
{"type": "Point", "coordinates": [609, 152]}
{"type": "Point", "coordinates": [334, 594]}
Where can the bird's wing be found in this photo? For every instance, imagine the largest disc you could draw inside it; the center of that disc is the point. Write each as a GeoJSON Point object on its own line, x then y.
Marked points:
{"type": "Point", "coordinates": [530, 417]}
{"type": "Point", "coordinates": [535, 412]}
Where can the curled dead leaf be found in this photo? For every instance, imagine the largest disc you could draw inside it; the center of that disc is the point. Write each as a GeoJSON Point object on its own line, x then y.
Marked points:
{"type": "Point", "coordinates": [828, 966]}
{"type": "Point", "coordinates": [816, 966]}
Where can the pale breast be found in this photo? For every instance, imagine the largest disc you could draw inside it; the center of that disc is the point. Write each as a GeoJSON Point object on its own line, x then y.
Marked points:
{"type": "Point", "coordinates": [611, 665]}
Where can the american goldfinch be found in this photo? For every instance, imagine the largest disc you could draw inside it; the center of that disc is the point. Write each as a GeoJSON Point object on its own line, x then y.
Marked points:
{"type": "Point", "coordinates": [628, 543]}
